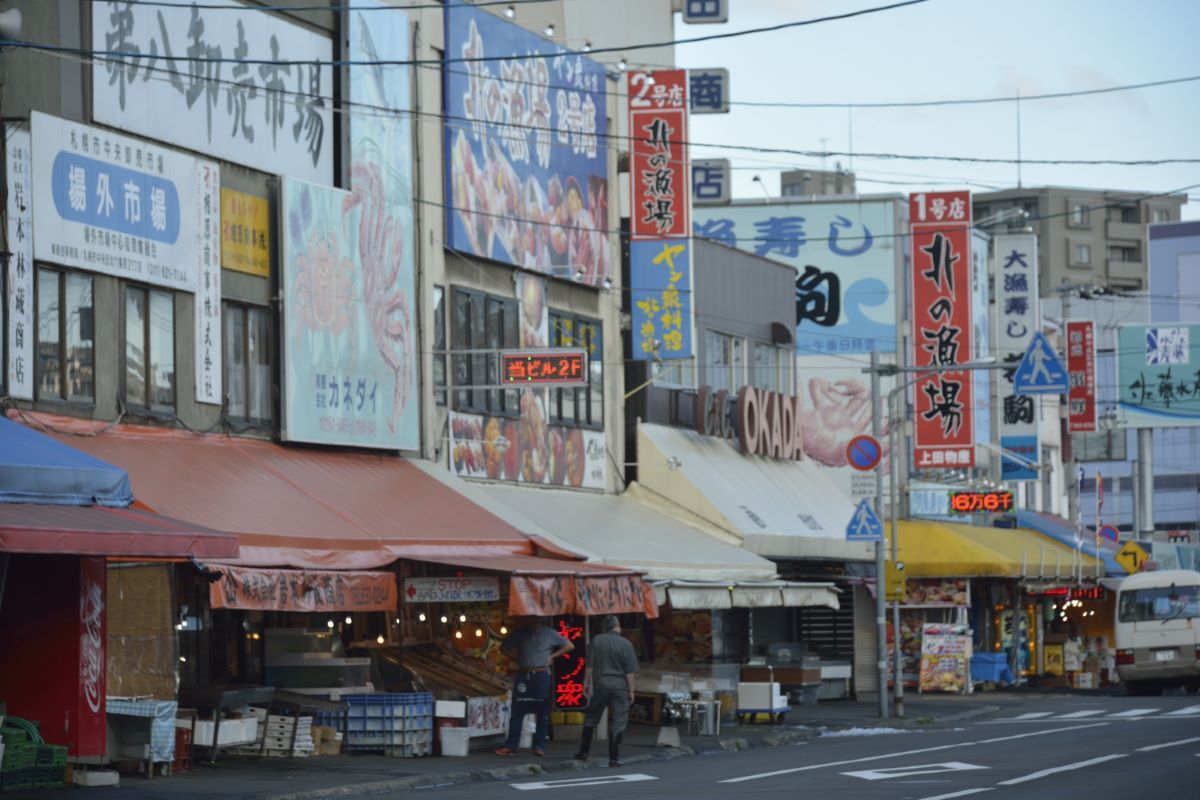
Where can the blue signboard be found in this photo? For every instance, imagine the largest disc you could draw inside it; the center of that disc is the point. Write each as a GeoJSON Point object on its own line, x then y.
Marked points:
{"type": "Point", "coordinates": [526, 151]}
{"type": "Point", "coordinates": [661, 298]}
{"type": "Point", "coordinates": [1041, 371]}
{"type": "Point", "coordinates": [1027, 448]}
{"type": "Point", "coordinates": [864, 525]}
{"type": "Point", "coordinates": [84, 191]}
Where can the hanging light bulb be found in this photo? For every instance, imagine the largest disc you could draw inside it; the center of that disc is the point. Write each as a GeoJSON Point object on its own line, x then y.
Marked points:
{"type": "Point", "coordinates": [420, 617]}
{"type": "Point", "coordinates": [458, 634]}
{"type": "Point", "coordinates": [462, 617]}
{"type": "Point", "coordinates": [398, 619]}
{"type": "Point", "coordinates": [479, 633]}
{"type": "Point", "coordinates": [503, 630]}
{"type": "Point", "coordinates": [329, 624]}
{"type": "Point", "coordinates": [444, 620]}
{"type": "Point", "coordinates": [379, 638]}
{"type": "Point", "coordinates": [349, 620]}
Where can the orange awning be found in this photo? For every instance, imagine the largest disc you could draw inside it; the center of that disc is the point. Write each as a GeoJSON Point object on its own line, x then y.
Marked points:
{"type": "Point", "coordinates": [292, 506]}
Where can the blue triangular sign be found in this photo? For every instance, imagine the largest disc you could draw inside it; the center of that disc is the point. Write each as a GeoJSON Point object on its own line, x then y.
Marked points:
{"type": "Point", "coordinates": [1041, 371]}
{"type": "Point", "coordinates": [864, 525]}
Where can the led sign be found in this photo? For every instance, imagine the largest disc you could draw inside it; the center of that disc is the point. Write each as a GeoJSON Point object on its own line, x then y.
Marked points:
{"type": "Point", "coordinates": [972, 502]}
{"type": "Point", "coordinates": [560, 367]}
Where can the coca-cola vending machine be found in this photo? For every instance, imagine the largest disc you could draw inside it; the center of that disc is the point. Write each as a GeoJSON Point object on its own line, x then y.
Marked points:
{"type": "Point", "coordinates": [53, 631]}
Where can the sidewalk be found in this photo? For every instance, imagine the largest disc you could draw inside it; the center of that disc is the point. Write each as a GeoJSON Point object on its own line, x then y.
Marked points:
{"type": "Point", "coordinates": [351, 775]}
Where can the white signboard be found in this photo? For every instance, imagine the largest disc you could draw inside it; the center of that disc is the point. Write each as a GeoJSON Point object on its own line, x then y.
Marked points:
{"type": "Point", "coordinates": [451, 590]}
{"type": "Point", "coordinates": [208, 285]}
{"type": "Point", "coordinates": [1019, 316]}
{"type": "Point", "coordinates": [114, 205]}
{"type": "Point", "coordinates": [19, 237]}
{"type": "Point", "coordinates": [487, 715]}
{"type": "Point", "coordinates": [273, 117]}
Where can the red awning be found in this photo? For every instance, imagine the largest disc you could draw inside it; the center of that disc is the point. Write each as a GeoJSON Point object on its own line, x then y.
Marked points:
{"type": "Point", "coordinates": [294, 506]}
{"type": "Point", "coordinates": [246, 588]}
{"type": "Point", "coordinates": [99, 531]}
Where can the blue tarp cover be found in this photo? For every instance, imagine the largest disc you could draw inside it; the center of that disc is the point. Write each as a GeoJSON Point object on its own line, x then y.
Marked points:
{"type": "Point", "coordinates": [35, 468]}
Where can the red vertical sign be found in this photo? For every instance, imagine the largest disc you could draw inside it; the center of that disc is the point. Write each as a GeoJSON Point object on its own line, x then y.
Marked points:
{"type": "Point", "coordinates": [93, 656]}
{"type": "Point", "coordinates": [659, 193]}
{"type": "Point", "coordinates": [1081, 376]}
{"type": "Point", "coordinates": [944, 430]}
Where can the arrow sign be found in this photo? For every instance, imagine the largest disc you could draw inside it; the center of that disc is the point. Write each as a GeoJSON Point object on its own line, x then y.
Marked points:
{"type": "Point", "coordinates": [1132, 556]}
{"type": "Point", "coordinates": [908, 772]}
{"type": "Point", "coordinates": [864, 453]}
{"type": "Point", "coordinates": [1041, 371]}
{"type": "Point", "coordinates": [864, 525]}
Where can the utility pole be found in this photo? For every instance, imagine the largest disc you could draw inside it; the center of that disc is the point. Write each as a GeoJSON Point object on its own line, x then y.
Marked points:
{"type": "Point", "coordinates": [1144, 508]}
{"type": "Point", "coordinates": [880, 566]}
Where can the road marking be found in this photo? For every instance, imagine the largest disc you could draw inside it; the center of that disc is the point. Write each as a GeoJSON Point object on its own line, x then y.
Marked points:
{"type": "Point", "coordinates": [1183, 712]}
{"type": "Point", "coordinates": [1033, 776]}
{"type": "Point", "coordinates": [935, 749]}
{"type": "Point", "coordinates": [963, 793]}
{"type": "Point", "coordinates": [1078, 714]}
{"type": "Point", "coordinates": [575, 782]}
{"type": "Point", "coordinates": [1133, 712]}
{"type": "Point", "coordinates": [907, 772]}
{"type": "Point", "coordinates": [1150, 747]}
{"type": "Point", "coordinates": [1034, 715]}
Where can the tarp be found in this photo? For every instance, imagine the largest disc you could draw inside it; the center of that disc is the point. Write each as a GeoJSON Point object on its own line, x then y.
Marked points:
{"type": "Point", "coordinates": [35, 468]}
{"type": "Point", "coordinates": [303, 591]}
{"type": "Point", "coordinates": [1038, 556]}
{"type": "Point", "coordinates": [1063, 531]}
{"type": "Point", "coordinates": [948, 550]}
{"type": "Point", "coordinates": [98, 531]}
{"type": "Point", "coordinates": [775, 508]}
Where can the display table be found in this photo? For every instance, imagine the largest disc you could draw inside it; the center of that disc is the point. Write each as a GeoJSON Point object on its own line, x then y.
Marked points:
{"type": "Point", "coordinates": [143, 730]}
{"type": "Point", "coordinates": [218, 700]}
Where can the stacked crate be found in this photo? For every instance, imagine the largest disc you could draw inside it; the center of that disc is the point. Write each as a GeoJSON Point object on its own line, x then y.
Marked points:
{"type": "Point", "coordinates": [277, 740]}
{"type": "Point", "coordinates": [395, 724]}
{"type": "Point", "coordinates": [19, 761]}
{"type": "Point", "coordinates": [50, 769]}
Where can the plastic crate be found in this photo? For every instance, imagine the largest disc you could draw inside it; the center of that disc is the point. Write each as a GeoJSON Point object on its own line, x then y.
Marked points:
{"type": "Point", "coordinates": [49, 775]}
{"type": "Point", "coordinates": [51, 754]}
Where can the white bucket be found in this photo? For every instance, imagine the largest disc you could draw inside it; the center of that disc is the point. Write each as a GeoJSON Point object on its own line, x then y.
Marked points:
{"type": "Point", "coordinates": [456, 742]}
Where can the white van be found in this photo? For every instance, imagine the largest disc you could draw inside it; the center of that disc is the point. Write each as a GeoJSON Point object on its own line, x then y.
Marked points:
{"type": "Point", "coordinates": [1158, 631]}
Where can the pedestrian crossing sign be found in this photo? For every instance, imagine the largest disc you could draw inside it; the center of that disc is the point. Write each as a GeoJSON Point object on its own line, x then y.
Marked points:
{"type": "Point", "coordinates": [1041, 371]}
{"type": "Point", "coordinates": [864, 525]}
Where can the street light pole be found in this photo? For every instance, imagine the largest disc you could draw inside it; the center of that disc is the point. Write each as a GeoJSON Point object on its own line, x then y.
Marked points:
{"type": "Point", "coordinates": [880, 581]}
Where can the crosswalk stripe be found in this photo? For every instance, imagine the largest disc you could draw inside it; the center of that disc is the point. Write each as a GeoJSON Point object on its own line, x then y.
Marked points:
{"type": "Point", "coordinates": [1134, 712]}
{"type": "Point", "coordinates": [1183, 712]}
{"type": "Point", "coordinates": [1034, 715]}
{"type": "Point", "coordinates": [1078, 714]}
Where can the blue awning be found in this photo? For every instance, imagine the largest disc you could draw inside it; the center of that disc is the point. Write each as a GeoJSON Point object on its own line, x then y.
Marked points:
{"type": "Point", "coordinates": [1063, 531]}
{"type": "Point", "coordinates": [35, 468]}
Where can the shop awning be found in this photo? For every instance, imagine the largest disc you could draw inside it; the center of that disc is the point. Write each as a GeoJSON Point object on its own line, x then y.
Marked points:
{"type": "Point", "coordinates": [774, 508]}
{"type": "Point", "coordinates": [1063, 531]}
{"type": "Point", "coordinates": [948, 550]}
{"type": "Point", "coordinates": [99, 531]}
{"type": "Point", "coordinates": [1036, 555]}
{"type": "Point", "coordinates": [35, 468]}
{"type": "Point", "coordinates": [300, 507]}
{"type": "Point", "coordinates": [746, 594]}
{"type": "Point", "coordinates": [303, 591]}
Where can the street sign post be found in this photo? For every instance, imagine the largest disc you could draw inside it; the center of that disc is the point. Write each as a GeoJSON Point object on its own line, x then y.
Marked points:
{"type": "Point", "coordinates": [864, 525]}
{"type": "Point", "coordinates": [1041, 371]}
{"type": "Point", "coordinates": [1132, 556]}
{"type": "Point", "coordinates": [894, 582]}
{"type": "Point", "coordinates": [864, 453]}
{"type": "Point", "coordinates": [1110, 532]}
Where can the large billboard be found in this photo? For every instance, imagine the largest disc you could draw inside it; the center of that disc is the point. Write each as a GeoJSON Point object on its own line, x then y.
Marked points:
{"type": "Point", "coordinates": [1019, 315]}
{"type": "Point", "coordinates": [845, 256]}
{"type": "Point", "coordinates": [1158, 375]}
{"type": "Point", "coordinates": [526, 150]}
{"type": "Point", "coordinates": [246, 86]}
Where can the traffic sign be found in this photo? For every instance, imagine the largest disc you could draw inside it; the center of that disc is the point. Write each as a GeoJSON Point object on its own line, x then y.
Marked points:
{"type": "Point", "coordinates": [1041, 371]}
{"type": "Point", "coordinates": [864, 525]}
{"type": "Point", "coordinates": [1132, 556]}
{"type": "Point", "coordinates": [1110, 532]}
{"type": "Point", "coordinates": [864, 453]}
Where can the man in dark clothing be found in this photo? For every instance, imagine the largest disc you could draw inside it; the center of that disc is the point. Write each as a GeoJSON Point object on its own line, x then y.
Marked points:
{"type": "Point", "coordinates": [534, 647]}
{"type": "Point", "coordinates": [608, 682]}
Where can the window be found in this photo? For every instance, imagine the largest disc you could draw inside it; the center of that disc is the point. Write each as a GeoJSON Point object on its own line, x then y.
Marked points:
{"type": "Point", "coordinates": [1131, 214]}
{"type": "Point", "coordinates": [483, 325]}
{"type": "Point", "coordinates": [724, 366]}
{"type": "Point", "coordinates": [149, 348]}
{"type": "Point", "coordinates": [772, 368]}
{"type": "Point", "coordinates": [1159, 603]}
{"type": "Point", "coordinates": [1080, 215]}
{"type": "Point", "coordinates": [583, 406]}
{"type": "Point", "coordinates": [1081, 254]}
{"type": "Point", "coordinates": [1124, 253]}
{"type": "Point", "coordinates": [65, 367]}
{"type": "Point", "coordinates": [439, 345]}
{"type": "Point", "coordinates": [1161, 215]}
{"type": "Point", "coordinates": [247, 362]}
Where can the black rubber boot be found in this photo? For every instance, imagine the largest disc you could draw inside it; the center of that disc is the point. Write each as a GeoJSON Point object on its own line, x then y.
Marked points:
{"type": "Point", "coordinates": [614, 750]}
{"type": "Point", "coordinates": [585, 744]}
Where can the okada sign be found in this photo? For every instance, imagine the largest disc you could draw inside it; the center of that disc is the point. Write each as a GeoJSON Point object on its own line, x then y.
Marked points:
{"type": "Point", "coordinates": [764, 423]}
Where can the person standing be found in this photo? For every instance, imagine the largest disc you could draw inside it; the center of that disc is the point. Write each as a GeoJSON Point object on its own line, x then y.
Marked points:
{"type": "Point", "coordinates": [608, 682]}
{"type": "Point", "coordinates": [534, 648]}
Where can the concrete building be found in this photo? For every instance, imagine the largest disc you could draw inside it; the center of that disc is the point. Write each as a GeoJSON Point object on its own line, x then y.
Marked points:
{"type": "Point", "coordinates": [1085, 236]}
{"type": "Point", "coordinates": [817, 182]}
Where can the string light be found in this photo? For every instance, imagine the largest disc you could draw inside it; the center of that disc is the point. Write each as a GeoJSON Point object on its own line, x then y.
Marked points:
{"type": "Point", "coordinates": [349, 620]}
{"type": "Point", "coordinates": [379, 638]}
{"type": "Point", "coordinates": [462, 617]}
{"type": "Point", "coordinates": [420, 617]}
{"type": "Point", "coordinates": [444, 620]}
{"type": "Point", "coordinates": [329, 624]}
{"type": "Point", "coordinates": [503, 630]}
{"type": "Point", "coordinates": [458, 634]}
{"type": "Point", "coordinates": [479, 633]}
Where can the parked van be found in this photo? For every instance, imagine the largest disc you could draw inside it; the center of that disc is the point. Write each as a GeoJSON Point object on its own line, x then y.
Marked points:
{"type": "Point", "coordinates": [1158, 631]}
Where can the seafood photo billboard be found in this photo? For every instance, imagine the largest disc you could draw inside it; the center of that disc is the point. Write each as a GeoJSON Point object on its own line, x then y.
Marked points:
{"type": "Point", "coordinates": [526, 150]}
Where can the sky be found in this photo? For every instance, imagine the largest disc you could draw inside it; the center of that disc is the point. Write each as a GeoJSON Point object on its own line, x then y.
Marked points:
{"type": "Point", "coordinates": [945, 49]}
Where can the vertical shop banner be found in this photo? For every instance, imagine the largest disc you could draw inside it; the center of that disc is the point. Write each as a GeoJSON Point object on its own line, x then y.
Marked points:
{"type": "Point", "coordinates": [245, 233]}
{"type": "Point", "coordinates": [845, 255]}
{"type": "Point", "coordinates": [110, 204]}
{"type": "Point", "coordinates": [209, 374]}
{"type": "Point", "coordinates": [981, 340]}
{"type": "Point", "coordinates": [1158, 376]}
{"type": "Point", "coordinates": [266, 106]}
{"type": "Point", "coordinates": [944, 431]}
{"type": "Point", "coordinates": [1019, 316]}
{"type": "Point", "coordinates": [1081, 375]}
{"type": "Point", "coordinates": [381, 181]}
{"type": "Point", "coordinates": [658, 170]}
{"type": "Point", "coordinates": [661, 298]}
{"type": "Point", "coordinates": [18, 236]}
{"type": "Point", "coordinates": [341, 385]}
{"type": "Point", "coordinates": [526, 149]}
{"type": "Point", "coordinates": [93, 659]}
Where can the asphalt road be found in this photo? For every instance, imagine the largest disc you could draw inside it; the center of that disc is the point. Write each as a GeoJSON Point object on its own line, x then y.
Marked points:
{"type": "Point", "coordinates": [1060, 747]}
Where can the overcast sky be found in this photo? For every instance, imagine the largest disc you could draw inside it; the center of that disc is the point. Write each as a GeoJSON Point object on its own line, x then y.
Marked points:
{"type": "Point", "coordinates": [957, 49]}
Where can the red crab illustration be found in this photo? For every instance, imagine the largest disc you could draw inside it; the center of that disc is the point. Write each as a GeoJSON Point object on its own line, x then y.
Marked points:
{"type": "Point", "coordinates": [323, 292]}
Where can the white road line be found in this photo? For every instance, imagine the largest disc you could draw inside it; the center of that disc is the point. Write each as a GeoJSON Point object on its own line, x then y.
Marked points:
{"type": "Point", "coordinates": [1183, 712]}
{"type": "Point", "coordinates": [1033, 776]}
{"type": "Point", "coordinates": [1150, 747]}
{"type": "Point", "coordinates": [1078, 714]}
{"type": "Point", "coordinates": [963, 793]}
{"type": "Point", "coordinates": [1033, 715]}
{"type": "Point", "coordinates": [865, 759]}
{"type": "Point", "coordinates": [1133, 712]}
{"type": "Point", "coordinates": [574, 783]}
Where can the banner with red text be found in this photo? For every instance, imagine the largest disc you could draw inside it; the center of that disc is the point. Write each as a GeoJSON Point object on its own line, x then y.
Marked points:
{"type": "Point", "coordinates": [1081, 376]}
{"type": "Point", "coordinates": [303, 591]}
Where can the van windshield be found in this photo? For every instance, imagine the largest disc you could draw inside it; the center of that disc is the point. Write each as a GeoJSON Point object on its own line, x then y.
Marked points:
{"type": "Point", "coordinates": [1159, 603]}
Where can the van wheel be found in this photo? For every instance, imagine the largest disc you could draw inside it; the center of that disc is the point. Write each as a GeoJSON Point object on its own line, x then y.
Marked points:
{"type": "Point", "coordinates": [1143, 689]}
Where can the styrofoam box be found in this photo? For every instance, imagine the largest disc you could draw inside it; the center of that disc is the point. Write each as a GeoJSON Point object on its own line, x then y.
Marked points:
{"type": "Point", "coordinates": [232, 730]}
{"type": "Point", "coordinates": [450, 708]}
{"type": "Point", "coordinates": [455, 741]}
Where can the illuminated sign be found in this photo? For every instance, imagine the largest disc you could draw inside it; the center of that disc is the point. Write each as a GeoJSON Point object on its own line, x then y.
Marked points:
{"type": "Point", "coordinates": [1072, 592]}
{"type": "Point", "coordinates": [561, 367]}
{"type": "Point", "coordinates": [570, 668]}
{"type": "Point", "coordinates": [971, 502]}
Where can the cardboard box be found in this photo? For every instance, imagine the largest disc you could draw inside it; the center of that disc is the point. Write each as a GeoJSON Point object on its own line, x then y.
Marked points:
{"type": "Point", "coordinates": [1084, 680]}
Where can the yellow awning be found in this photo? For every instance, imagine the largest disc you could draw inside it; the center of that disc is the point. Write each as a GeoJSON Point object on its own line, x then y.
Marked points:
{"type": "Point", "coordinates": [950, 550]}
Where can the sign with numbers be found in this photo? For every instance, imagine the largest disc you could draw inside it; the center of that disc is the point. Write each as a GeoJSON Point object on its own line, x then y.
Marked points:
{"type": "Point", "coordinates": [561, 367]}
{"type": "Point", "coordinates": [658, 126]}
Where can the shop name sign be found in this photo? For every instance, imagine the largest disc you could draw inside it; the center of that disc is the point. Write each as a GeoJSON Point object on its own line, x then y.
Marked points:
{"type": "Point", "coordinates": [451, 590]}
{"type": "Point", "coordinates": [763, 423]}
